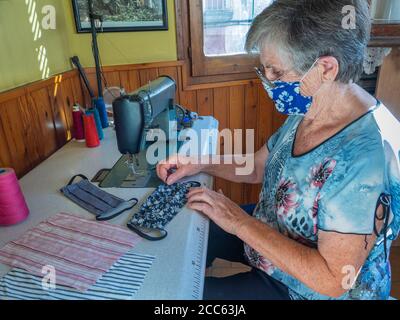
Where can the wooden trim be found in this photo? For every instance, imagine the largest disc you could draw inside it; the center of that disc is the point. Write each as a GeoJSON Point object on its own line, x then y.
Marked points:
{"type": "Point", "coordinates": [181, 25]}
{"type": "Point", "coordinates": [50, 81]}
{"type": "Point", "coordinates": [12, 94]}
{"type": "Point", "coordinates": [385, 42]}
{"type": "Point", "coordinates": [386, 30]}
{"type": "Point", "coordinates": [188, 81]}
{"type": "Point", "coordinates": [196, 84]}
{"type": "Point", "coordinates": [385, 35]}
{"type": "Point", "coordinates": [141, 66]}
{"type": "Point", "coordinates": [33, 86]}
{"type": "Point", "coordinates": [222, 84]}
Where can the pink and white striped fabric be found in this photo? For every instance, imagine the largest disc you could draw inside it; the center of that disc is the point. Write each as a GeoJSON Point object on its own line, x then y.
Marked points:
{"type": "Point", "coordinates": [81, 251]}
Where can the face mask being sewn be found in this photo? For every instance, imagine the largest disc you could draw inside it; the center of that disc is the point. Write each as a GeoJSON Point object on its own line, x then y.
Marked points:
{"type": "Point", "coordinates": [103, 205]}
{"type": "Point", "coordinates": [159, 209]}
{"type": "Point", "coordinates": [287, 96]}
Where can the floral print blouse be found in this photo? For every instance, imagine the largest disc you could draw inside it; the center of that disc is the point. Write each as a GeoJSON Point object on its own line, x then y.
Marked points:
{"type": "Point", "coordinates": [335, 187]}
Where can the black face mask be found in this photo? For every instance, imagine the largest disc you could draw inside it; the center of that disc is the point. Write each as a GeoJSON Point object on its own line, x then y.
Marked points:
{"type": "Point", "coordinates": [159, 209]}
{"type": "Point", "coordinates": [103, 205]}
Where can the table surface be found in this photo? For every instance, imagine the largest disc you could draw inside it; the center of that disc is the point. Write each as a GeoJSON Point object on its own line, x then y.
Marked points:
{"type": "Point", "coordinates": [179, 268]}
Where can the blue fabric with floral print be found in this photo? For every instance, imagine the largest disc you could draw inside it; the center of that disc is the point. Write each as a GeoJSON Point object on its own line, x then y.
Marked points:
{"type": "Point", "coordinates": [335, 188]}
{"type": "Point", "coordinates": [288, 99]}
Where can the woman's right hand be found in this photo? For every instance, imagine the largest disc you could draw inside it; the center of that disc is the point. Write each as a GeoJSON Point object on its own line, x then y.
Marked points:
{"type": "Point", "coordinates": [178, 167]}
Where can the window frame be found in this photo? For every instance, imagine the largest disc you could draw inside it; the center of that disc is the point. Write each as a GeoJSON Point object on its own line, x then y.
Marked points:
{"type": "Point", "coordinates": [211, 66]}
{"type": "Point", "coordinates": [385, 35]}
{"type": "Point", "coordinates": [198, 68]}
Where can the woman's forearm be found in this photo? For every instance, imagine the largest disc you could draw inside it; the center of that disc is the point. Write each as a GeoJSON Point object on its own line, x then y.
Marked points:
{"type": "Point", "coordinates": [232, 168]}
{"type": "Point", "coordinates": [303, 263]}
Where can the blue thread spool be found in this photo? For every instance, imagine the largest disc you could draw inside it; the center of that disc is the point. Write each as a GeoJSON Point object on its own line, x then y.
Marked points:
{"type": "Point", "coordinates": [101, 108]}
{"type": "Point", "coordinates": [99, 128]}
{"type": "Point", "coordinates": [2, 171]}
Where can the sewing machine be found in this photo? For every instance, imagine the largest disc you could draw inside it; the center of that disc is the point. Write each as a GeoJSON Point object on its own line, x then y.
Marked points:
{"type": "Point", "coordinates": [139, 118]}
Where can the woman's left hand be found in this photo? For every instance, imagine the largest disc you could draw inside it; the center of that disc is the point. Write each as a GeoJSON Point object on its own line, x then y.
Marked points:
{"type": "Point", "coordinates": [223, 211]}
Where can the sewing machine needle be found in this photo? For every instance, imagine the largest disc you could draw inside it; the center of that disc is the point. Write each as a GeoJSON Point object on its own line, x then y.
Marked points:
{"type": "Point", "coordinates": [131, 164]}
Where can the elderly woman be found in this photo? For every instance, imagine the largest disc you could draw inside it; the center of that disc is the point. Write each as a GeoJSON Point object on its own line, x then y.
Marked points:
{"type": "Point", "coordinates": [330, 203]}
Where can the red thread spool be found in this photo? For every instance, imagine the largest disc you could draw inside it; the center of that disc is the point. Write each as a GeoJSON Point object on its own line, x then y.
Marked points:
{"type": "Point", "coordinates": [92, 137]}
{"type": "Point", "coordinates": [79, 131]}
{"type": "Point", "coordinates": [13, 207]}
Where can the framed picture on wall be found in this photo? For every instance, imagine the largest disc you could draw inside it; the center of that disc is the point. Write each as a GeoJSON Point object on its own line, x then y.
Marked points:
{"type": "Point", "coordinates": [122, 15]}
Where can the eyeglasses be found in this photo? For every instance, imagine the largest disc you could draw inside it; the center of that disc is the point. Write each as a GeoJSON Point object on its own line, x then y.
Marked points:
{"type": "Point", "coordinates": [261, 73]}
{"type": "Point", "coordinates": [263, 78]}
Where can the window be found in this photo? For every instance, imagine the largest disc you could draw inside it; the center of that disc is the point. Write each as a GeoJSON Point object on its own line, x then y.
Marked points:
{"type": "Point", "coordinates": [385, 11]}
{"type": "Point", "coordinates": [226, 23]}
{"type": "Point", "coordinates": [386, 23]}
{"type": "Point", "coordinates": [216, 33]}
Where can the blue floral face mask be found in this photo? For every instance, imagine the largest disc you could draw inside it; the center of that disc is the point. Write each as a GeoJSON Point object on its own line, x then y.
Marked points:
{"type": "Point", "coordinates": [287, 96]}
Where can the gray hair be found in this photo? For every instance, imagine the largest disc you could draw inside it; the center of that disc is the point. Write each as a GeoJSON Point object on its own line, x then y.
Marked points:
{"type": "Point", "coordinates": [308, 29]}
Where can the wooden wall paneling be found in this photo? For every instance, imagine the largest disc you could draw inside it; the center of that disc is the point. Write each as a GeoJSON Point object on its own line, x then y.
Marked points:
{"type": "Point", "coordinates": [250, 110]}
{"type": "Point", "coordinates": [86, 97]}
{"type": "Point", "coordinates": [69, 101]}
{"type": "Point", "coordinates": [93, 84]}
{"type": "Point", "coordinates": [11, 124]}
{"type": "Point", "coordinates": [40, 102]}
{"type": "Point", "coordinates": [31, 125]}
{"type": "Point", "coordinates": [205, 105]}
{"type": "Point", "coordinates": [389, 82]}
{"type": "Point", "coordinates": [77, 90]}
{"type": "Point", "coordinates": [236, 101]}
{"type": "Point", "coordinates": [147, 75]}
{"type": "Point", "coordinates": [5, 158]}
{"type": "Point", "coordinates": [221, 109]}
{"type": "Point", "coordinates": [111, 79]}
{"type": "Point", "coordinates": [15, 134]}
{"type": "Point", "coordinates": [187, 98]}
{"type": "Point", "coordinates": [221, 113]}
{"type": "Point", "coordinates": [12, 94]}
{"type": "Point", "coordinates": [236, 121]}
{"type": "Point", "coordinates": [251, 193]}
{"type": "Point", "coordinates": [265, 118]}
{"type": "Point", "coordinates": [124, 77]}
{"type": "Point", "coordinates": [130, 80]}
{"type": "Point", "coordinates": [59, 118]}
{"type": "Point", "coordinates": [169, 71]}
{"type": "Point", "coordinates": [137, 66]}
{"type": "Point", "coordinates": [205, 102]}
{"type": "Point", "coordinates": [62, 98]}
{"type": "Point", "coordinates": [173, 73]}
